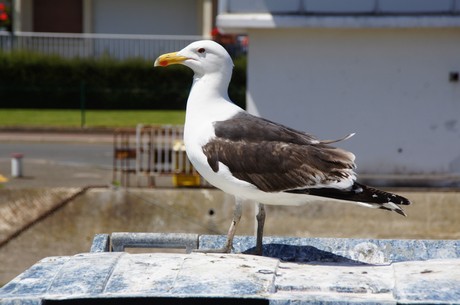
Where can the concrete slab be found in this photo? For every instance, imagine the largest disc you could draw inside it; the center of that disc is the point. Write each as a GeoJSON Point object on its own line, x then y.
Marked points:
{"type": "Point", "coordinates": [117, 275]}
{"type": "Point", "coordinates": [429, 282]}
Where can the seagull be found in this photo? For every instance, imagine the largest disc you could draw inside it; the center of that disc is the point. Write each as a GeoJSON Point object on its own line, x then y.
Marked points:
{"type": "Point", "coordinates": [257, 159]}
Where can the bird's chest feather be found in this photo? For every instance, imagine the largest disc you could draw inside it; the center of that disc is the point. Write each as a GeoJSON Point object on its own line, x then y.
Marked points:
{"type": "Point", "coordinates": [200, 120]}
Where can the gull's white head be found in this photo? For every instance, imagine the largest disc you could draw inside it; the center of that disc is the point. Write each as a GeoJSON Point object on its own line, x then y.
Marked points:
{"type": "Point", "coordinates": [203, 57]}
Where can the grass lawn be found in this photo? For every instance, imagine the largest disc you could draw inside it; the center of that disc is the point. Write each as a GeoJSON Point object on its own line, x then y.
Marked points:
{"type": "Point", "coordinates": [93, 118]}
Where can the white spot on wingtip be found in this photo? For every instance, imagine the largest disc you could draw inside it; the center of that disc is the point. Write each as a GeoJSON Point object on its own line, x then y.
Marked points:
{"type": "Point", "coordinates": [350, 135]}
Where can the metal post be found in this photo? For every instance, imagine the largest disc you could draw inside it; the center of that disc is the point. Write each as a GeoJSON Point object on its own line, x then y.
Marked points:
{"type": "Point", "coordinates": [16, 165]}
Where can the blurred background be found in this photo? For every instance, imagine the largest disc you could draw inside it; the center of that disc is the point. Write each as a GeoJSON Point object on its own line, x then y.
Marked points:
{"type": "Point", "coordinates": [91, 134]}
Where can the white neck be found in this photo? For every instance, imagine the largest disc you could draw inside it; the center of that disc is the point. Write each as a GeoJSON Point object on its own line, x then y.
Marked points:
{"type": "Point", "coordinates": [208, 102]}
{"type": "Point", "coordinates": [210, 86]}
{"type": "Point", "coordinates": [209, 94]}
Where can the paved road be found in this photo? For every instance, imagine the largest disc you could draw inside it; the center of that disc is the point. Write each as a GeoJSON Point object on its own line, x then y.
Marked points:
{"type": "Point", "coordinates": [57, 159]}
{"type": "Point", "coordinates": [83, 154]}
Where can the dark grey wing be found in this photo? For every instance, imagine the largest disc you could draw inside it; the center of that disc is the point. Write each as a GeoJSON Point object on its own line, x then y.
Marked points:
{"type": "Point", "coordinates": [275, 166]}
{"type": "Point", "coordinates": [251, 128]}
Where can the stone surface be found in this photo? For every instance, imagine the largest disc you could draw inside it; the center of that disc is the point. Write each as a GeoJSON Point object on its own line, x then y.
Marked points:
{"type": "Point", "coordinates": [116, 275]}
{"type": "Point", "coordinates": [19, 210]}
{"type": "Point", "coordinates": [433, 281]}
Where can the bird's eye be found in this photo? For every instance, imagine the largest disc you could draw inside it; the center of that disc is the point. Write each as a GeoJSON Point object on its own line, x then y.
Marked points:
{"type": "Point", "coordinates": [201, 50]}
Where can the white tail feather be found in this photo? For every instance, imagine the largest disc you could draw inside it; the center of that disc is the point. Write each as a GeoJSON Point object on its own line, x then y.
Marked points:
{"type": "Point", "coordinates": [338, 140]}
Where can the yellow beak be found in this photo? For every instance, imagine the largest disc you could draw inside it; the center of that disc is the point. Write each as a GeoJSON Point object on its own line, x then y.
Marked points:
{"type": "Point", "coordinates": [169, 59]}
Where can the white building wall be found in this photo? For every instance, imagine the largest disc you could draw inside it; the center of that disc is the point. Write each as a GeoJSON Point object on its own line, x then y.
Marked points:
{"type": "Point", "coordinates": [390, 86]}
{"type": "Point", "coordinates": [172, 17]}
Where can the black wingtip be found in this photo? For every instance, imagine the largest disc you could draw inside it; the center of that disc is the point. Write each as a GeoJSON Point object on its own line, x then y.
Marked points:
{"type": "Point", "coordinates": [406, 201]}
{"type": "Point", "coordinates": [388, 201]}
{"type": "Point", "coordinates": [363, 194]}
{"type": "Point", "coordinates": [392, 208]}
{"type": "Point", "coordinates": [401, 212]}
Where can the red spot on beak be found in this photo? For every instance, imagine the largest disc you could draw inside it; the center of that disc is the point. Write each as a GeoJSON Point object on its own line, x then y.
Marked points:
{"type": "Point", "coordinates": [163, 63]}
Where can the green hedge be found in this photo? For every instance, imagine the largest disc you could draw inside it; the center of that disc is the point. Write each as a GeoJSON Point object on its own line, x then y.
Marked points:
{"type": "Point", "coordinates": [37, 81]}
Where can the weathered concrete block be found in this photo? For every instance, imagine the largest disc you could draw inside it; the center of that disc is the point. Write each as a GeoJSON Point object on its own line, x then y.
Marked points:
{"type": "Point", "coordinates": [116, 276]}
{"type": "Point", "coordinates": [429, 282]}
